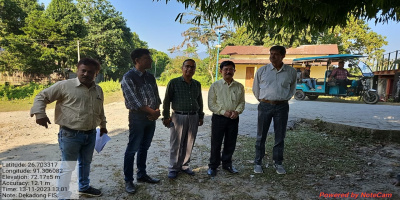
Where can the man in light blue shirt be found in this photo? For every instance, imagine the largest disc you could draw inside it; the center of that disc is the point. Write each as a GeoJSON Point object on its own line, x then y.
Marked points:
{"type": "Point", "coordinates": [274, 85]}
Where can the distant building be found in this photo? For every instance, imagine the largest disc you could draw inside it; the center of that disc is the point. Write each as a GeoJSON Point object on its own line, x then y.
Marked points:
{"type": "Point", "coordinates": [387, 76]}
{"type": "Point", "coordinates": [249, 58]}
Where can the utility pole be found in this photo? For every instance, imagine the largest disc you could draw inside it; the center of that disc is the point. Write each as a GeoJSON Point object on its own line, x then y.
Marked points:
{"type": "Point", "coordinates": [79, 56]}
{"type": "Point", "coordinates": [155, 69]}
{"type": "Point", "coordinates": [218, 46]}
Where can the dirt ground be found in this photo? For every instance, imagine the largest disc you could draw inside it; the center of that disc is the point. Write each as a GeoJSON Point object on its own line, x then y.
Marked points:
{"type": "Point", "coordinates": [23, 140]}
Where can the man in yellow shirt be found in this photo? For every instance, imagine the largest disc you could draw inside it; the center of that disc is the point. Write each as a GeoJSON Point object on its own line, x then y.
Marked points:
{"type": "Point", "coordinates": [79, 110]}
{"type": "Point", "coordinates": [226, 101]}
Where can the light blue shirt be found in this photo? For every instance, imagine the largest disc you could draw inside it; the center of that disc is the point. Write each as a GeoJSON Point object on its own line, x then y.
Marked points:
{"type": "Point", "coordinates": [271, 84]}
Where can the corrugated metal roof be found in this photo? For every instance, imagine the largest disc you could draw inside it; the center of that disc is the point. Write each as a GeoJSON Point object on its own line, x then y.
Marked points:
{"type": "Point", "coordinates": [322, 49]}
{"type": "Point", "coordinates": [254, 61]}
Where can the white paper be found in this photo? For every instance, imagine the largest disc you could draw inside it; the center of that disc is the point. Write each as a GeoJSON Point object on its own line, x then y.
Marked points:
{"type": "Point", "coordinates": [100, 141]}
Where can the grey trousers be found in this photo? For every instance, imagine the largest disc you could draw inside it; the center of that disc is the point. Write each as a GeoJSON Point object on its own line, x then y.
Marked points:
{"type": "Point", "coordinates": [183, 135]}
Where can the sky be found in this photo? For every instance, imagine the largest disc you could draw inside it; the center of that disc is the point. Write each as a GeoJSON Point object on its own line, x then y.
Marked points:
{"type": "Point", "coordinates": [155, 23]}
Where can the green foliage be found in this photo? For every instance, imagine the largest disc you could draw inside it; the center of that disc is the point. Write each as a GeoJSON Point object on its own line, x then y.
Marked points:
{"type": "Point", "coordinates": [46, 41]}
{"type": "Point", "coordinates": [160, 61]}
{"type": "Point", "coordinates": [137, 43]}
{"type": "Point", "coordinates": [206, 34]}
{"type": "Point", "coordinates": [174, 69]}
{"type": "Point", "coordinates": [30, 91]}
{"type": "Point", "coordinates": [8, 92]}
{"type": "Point", "coordinates": [109, 40]}
{"type": "Point", "coordinates": [204, 80]}
{"type": "Point", "coordinates": [165, 79]}
{"type": "Point", "coordinates": [110, 86]}
{"type": "Point", "coordinates": [13, 14]}
{"type": "Point", "coordinates": [262, 16]}
{"type": "Point", "coordinates": [354, 38]}
{"type": "Point", "coordinates": [42, 41]}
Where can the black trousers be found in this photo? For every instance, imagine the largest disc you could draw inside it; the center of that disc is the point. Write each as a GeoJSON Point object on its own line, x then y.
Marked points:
{"type": "Point", "coordinates": [223, 129]}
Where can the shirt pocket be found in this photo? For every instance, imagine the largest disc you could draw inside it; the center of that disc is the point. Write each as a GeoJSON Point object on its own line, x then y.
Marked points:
{"type": "Point", "coordinates": [263, 82]}
{"type": "Point", "coordinates": [236, 95]}
{"type": "Point", "coordinates": [286, 83]}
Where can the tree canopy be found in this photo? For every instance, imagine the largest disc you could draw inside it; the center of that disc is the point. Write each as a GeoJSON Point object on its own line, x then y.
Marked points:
{"type": "Point", "coordinates": [41, 41]}
{"type": "Point", "coordinates": [260, 16]}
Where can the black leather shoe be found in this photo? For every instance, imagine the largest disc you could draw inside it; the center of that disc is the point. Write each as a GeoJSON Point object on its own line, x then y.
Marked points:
{"type": "Point", "coordinates": [231, 169]}
{"type": "Point", "coordinates": [212, 172]}
{"type": "Point", "coordinates": [130, 187]}
{"type": "Point", "coordinates": [148, 179]}
{"type": "Point", "coordinates": [188, 171]}
{"type": "Point", "coordinates": [172, 174]}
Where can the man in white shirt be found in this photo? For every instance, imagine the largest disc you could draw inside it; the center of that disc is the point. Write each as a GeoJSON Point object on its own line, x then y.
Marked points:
{"type": "Point", "coordinates": [274, 85]}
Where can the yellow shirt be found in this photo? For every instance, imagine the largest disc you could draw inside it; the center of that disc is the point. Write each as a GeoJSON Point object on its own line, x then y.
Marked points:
{"type": "Point", "coordinates": [77, 107]}
{"type": "Point", "coordinates": [223, 97]}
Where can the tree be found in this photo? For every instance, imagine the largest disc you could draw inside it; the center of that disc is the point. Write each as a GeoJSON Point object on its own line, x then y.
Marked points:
{"type": "Point", "coordinates": [160, 61]}
{"type": "Point", "coordinates": [47, 40]}
{"type": "Point", "coordinates": [260, 16]}
{"type": "Point", "coordinates": [13, 14]}
{"type": "Point", "coordinates": [137, 43]}
{"type": "Point", "coordinates": [206, 34]}
{"type": "Point", "coordinates": [109, 40]}
{"type": "Point", "coordinates": [355, 38]}
{"type": "Point", "coordinates": [241, 37]}
{"type": "Point", "coordinates": [71, 28]}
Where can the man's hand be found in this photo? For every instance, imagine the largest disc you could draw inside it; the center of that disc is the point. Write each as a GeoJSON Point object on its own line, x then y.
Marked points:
{"type": "Point", "coordinates": [228, 114]}
{"type": "Point", "coordinates": [154, 115]}
{"type": "Point", "coordinates": [167, 122]}
{"type": "Point", "coordinates": [102, 131]}
{"type": "Point", "coordinates": [234, 115]}
{"type": "Point", "coordinates": [43, 121]}
{"type": "Point", "coordinates": [201, 122]}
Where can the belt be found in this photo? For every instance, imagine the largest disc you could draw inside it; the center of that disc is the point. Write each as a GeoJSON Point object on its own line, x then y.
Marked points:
{"type": "Point", "coordinates": [185, 113]}
{"type": "Point", "coordinates": [73, 130]}
{"type": "Point", "coordinates": [273, 102]}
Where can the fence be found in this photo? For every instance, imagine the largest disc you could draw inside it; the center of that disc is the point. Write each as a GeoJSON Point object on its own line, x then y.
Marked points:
{"type": "Point", "coordinates": [389, 61]}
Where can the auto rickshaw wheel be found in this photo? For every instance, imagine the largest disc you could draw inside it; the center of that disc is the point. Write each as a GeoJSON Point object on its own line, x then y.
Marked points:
{"type": "Point", "coordinates": [373, 97]}
{"type": "Point", "coordinates": [299, 95]}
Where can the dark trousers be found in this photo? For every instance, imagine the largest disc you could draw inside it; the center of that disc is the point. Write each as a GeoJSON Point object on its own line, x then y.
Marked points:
{"type": "Point", "coordinates": [141, 132]}
{"type": "Point", "coordinates": [223, 129]}
{"type": "Point", "coordinates": [344, 82]}
{"type": "Point", "coordinates": [266, 112]}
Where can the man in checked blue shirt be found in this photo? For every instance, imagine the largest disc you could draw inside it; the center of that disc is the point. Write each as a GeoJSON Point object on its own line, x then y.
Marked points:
{"type": "Point", "coordinates": [143, 101]}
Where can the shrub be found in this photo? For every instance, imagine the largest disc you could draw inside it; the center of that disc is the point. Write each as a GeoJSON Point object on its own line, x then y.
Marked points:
{"type": "Point", "coordinates": [8, 92]}
{"type": "Point", "coordinates": [110, 86]}
{"type": "Point", "coordinates": [203, 79]}
{"type": "Point", "coordinates": [30, 91]}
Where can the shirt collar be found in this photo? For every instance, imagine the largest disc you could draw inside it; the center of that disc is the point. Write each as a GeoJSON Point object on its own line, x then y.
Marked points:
{"type": "Point", "coordinates": [78, 83]}
{"type": "Point", "coordinates": [224, 82]}
{"type": "Point", "coordinates": [283, 68]}
{"type": "Point", "coordinates": [138, 72]}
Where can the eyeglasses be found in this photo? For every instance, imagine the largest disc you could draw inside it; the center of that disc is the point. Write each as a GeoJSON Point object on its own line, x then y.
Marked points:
{"type": "Point", "coordinates": [228, 69]}
{"type": "Point", "coordinates": [190, 66]}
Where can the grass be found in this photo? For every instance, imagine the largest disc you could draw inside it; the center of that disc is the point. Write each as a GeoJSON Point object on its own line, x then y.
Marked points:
{"type": "Point", "coordinates": [311, 157]}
